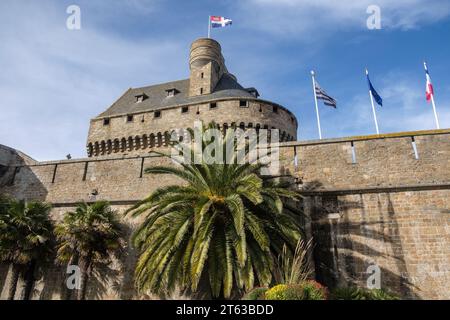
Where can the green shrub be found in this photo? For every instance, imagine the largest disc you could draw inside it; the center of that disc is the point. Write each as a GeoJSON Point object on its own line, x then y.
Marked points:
{"type": "Point", "coordinates": [277, 293]}
{"type": "Point", "coordinates": [354, 293]}
{"type": "Point", "coordinates": [313, 290]}
{"type": "Point", "coordinates": [348, 293]}
{"type": "Point", "coordinates": [307, 290]}
{"type": "Point", "coordinates": [255, 294]}
{"type": "Point", "coordinates": [380, 294]}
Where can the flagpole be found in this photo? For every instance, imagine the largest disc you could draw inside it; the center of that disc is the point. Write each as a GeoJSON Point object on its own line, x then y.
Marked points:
{"type": "Point", "coordinates": [432, 99]}
{"type": "Point", "coordinates": [315, 100]}
{"type": "Point", "coordinates": [373, 107]}
{"type": "Point", "coordinates": [209, 26]}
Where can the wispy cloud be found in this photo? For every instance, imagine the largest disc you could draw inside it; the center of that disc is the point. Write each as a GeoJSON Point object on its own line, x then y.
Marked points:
{"type": "Point", "coordinates": [54, 80]}
{"type": "Point", "coordinates": [311, 19]}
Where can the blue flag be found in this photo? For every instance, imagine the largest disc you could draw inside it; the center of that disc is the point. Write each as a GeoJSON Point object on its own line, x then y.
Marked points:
{"type": "Point", "coordinates": [375, 94]}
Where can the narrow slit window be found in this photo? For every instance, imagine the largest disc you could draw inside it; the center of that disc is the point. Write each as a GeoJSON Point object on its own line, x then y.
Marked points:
{"type": "Point", "coordinates": [353, 153]}
{"type": "Point", "coordinates": [275, 109]}
{"type": "Point", "coordinates": [416, 153]}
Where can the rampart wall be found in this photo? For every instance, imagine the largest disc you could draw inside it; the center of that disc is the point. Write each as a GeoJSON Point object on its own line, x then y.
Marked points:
{"type": "Point", "coordinates": [371, 200]}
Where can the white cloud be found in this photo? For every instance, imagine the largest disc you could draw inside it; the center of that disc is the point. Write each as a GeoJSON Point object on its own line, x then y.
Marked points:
{"type": "Point", "coordinates": [54, 80]}
{"type": "Point", "coordinates": [308, 19]}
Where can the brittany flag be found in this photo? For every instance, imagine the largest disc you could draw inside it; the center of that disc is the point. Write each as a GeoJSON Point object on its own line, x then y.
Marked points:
{"type": "Point", "coordinates": [219, 22]}
{"type": "Point", "coordinates": [429, 86]}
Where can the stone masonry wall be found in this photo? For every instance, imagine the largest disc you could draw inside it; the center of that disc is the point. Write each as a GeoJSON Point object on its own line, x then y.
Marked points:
{"type": "Point", "coordinates": [145, 125]}
{"type": "Point", "coordinates": [386, 208]}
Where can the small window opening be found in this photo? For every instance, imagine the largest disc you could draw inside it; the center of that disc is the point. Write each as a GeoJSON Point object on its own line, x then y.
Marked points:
{"type": "Point", "coordinates": [201, 90]}
{"type": "Point", "coordinates": [106, 121]}
{"type": "Point", "coordinates": [275, 109]}
{"type": "Point", "coordinates": [184, 109]}
{"type": "Point", "coordinates": [243, 103]}
{"type": "Point", "coordinates": [157, 114]}
{"type": "Point", "coordinates": [213, 105]}
{"type": "Point", "coordinates": [202, 75]}
{"type": "Point", "coordinates": [129, 118]}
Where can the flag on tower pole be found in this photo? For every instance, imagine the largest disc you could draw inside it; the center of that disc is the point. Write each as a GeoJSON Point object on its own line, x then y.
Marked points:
{"type": "Point", "coordinates": [217, 22]}
{"type": "Point", "coordinates": [319, 93]}
{"type": "Point", "coordinates": [373, 94]}
{"type": "Point", "coordinates": [429, 92]}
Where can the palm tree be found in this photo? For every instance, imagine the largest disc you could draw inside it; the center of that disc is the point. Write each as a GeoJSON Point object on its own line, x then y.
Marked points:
{"type": "Point", "coordinates": [220, 230]}
{"type": "Point", "coordinates": [90, 235]}
{"type": "Point", "coordinates": [26, 233]}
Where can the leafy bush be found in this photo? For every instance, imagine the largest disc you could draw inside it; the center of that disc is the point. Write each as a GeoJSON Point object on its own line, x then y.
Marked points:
{"type": "Point", "coordinates": [307, 290]}
{"type": "Point", "coordinates": [285, 292]}
{"type": "Point", "coordinates": [348, 293]}
{"type": "Point", "coordinates": [354, 293]}
{"type": "Point", "coordinates": [314, 291]}
{"type": "Point", "coordinates": [380, 294]}
{"type": "Point", "coordinates": [255, 294]}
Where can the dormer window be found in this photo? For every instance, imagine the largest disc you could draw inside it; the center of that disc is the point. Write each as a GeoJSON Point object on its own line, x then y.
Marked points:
{"type": "Point", "coordinates": [141, 97]}
{"type": "Point", "coordinates": [171, 92]}
{"type": "Point", "coordinates": [253, 92]}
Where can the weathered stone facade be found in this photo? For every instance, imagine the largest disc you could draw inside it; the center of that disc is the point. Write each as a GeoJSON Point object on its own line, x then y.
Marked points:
{"type": "Point", "coordinates": [370, 200]}
{"type": "Point", "coordinates": [143, 118]}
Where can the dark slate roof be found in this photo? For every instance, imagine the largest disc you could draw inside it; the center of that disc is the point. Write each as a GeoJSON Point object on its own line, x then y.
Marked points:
{"type": "Point", "coordinates": [227, 87]}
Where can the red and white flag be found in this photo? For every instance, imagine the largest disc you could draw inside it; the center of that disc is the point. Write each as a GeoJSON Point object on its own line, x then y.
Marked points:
{"type": "Point", "coordinates": [429, 87]}
{"type": "Point", "coordinates": [430, 94]}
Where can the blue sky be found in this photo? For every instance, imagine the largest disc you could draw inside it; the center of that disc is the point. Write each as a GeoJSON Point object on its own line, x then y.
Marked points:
{"type": "Point", "coordinates": [53, 80]}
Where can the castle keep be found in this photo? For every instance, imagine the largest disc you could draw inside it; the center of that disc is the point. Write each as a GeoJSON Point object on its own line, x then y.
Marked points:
{"type": "Point", "coordinates": [143, 118]}
{"type": "Point", "coordinates": [369, 200]}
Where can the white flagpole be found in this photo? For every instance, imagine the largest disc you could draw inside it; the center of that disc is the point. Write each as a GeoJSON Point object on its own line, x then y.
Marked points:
{"type": "Point", "coordinates": [209, 26]}
{"type": "Point", "coordinates": [432, 98]}
{"type": "Point", "coordinates": [371, 101]}
{"type": "Point", "coordinates": [315, 100]}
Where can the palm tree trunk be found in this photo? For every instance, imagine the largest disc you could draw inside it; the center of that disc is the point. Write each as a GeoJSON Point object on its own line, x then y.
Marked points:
{"type": "Point", "coordinates": [29, 280]}
{"type": "Point", "coordinates": [14, 280]}
{"type": "Point", "coordinates": [85, 264]}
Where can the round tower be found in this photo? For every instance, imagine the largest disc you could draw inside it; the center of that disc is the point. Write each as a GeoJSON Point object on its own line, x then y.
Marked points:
{"type": "Point", "coordinates": [207, 66]}
{"type": "Point", "coordinates": [205, 50]}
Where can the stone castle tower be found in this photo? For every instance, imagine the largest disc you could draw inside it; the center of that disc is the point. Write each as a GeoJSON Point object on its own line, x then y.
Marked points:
{"type": "Point", "coordinates": [377, 201]}
{"type": "Point", "coordinates": [142, 118]}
